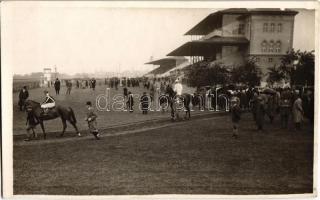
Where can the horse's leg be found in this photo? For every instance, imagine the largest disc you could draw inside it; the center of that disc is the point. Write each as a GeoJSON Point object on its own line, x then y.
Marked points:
{"type": "Point", "coordinates": [42, 127]}
{"type": "Point", "coordinates": [75, 127]}
{"type": "Point", "coordinates": [64, 124]}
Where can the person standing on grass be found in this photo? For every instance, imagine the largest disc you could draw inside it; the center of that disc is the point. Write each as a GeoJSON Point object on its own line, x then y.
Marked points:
{"type": "Point", "coordinates": [235, 115]}
{"type": "Point", "coordinates": [23, 96]}
{"type": "Point", "coordinates": [297, 112]}
{"type": "Point", "coordinates": [285, 107]}
{"type": "Point", "coordinates": [57, 86]}
{"type": "Point", "coordinates": [91, 119]}
{"type": "Point", "coordinates": [93, 83]}
{"type": "Point", "coordinates": [69, 87]}
{"type": "Point", "coordinates": [125, 93]}
{"type": "Point", "coordinates": [130, 102]}
{"type": "Point", "coordinates": [144, 100]}
{"type": "Point", "coordinates": [260, 112]}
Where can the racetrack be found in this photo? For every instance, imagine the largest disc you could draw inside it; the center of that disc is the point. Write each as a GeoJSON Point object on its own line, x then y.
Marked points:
{"type": "Point", "coordinates": [189, 157]}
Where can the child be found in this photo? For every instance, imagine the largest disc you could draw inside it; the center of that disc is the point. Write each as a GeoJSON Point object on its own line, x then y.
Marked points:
{"type": "Point", "coordinates": [235, 115]}
{"type": "Point", "coordinates": [91, 119]}
{"type": "Point", "coordinates": [31, 124]}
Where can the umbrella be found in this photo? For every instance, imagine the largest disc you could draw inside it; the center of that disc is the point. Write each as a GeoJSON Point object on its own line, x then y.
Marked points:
{"type": "Point", "coordinates": [269, 91]}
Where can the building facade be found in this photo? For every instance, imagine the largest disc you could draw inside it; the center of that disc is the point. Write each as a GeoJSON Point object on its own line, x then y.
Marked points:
{"type": "Point", "coordinates": [231, 36]}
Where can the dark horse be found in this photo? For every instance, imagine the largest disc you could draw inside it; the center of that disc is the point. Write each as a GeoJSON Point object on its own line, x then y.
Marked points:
{"type": "Point", "coordinates": [176, 106]}
{"type": "Point", "coordinates": [66, 114]}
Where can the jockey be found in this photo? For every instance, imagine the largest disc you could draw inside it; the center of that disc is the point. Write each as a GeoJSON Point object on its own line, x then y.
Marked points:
{"type": "Point", "coordinates": [178, 89]}
{"type": "Point", "coordinates": [49, 102]}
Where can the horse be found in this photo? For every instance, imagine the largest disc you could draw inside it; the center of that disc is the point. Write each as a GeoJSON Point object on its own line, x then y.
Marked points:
{"type": "Point", "coordinates": [66, 114]}
{"type": "Point", "coordinates": [173, 102]}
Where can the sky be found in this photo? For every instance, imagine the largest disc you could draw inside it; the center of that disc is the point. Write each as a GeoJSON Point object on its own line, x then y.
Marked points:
{"type": "Point", "coordinates": [92, 39]}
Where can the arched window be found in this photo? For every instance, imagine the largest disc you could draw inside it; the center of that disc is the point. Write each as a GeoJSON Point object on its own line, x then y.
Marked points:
{"type": "Point", "coordinates": [272, 27]}
{"type": "Point", "coordinates": [271, 46]}
{"type": "Point", "coordinates": [264, 46]}
{"type": "Point", "coordinates": [279, 28]}
{"type": "Point", "coordinates": [278, 47]}
{"type": "Point", "coordinates": [265, 27]}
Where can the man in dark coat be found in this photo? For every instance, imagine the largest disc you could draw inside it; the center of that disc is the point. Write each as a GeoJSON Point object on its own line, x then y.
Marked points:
{"type": "Point", "coordinates": [57, 86]}
{"type": "Point", "coordinates": [285, 107]}
{"type": "Point", "coordinates": [144, 100]}
{"type": "Point", "coordinates": [260, 112]}
{"type": "Point", "coordinates": [93, 83]}
{"type": "Point", "coordinates": [23, 95]}
{"type": "Point", "coordinates": [125, 93]}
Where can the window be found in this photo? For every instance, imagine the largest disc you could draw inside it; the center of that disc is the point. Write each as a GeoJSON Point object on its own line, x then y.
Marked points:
{"type": "Point", "coordinates": [265, 27]}
{"type": "Point", "coordinates": [279, 28]}
{"type": "Point", "coordinates": [271, 46]}
{"type": "Point", "coordinates": [264, 46]}
{"type": "Point", "coordinates": [270, 59]}
{"type": "Point", "coordinates": [258, 59]}
{"type": "Point", "coordinates": [278, 47]}
{"type": "Point", "coordinates": [272, 27]}
{"type": "Point", "coordinates": [241, 29]}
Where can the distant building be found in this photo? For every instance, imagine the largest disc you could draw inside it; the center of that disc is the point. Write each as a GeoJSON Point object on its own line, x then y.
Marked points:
{"type": "Point", "coordinates": [230, 36]}
{"type": "Point", "coordinates": [46, 78]}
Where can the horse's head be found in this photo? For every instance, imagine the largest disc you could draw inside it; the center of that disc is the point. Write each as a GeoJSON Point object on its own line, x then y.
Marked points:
{"type": "Point", "coordinates": [31, 105]}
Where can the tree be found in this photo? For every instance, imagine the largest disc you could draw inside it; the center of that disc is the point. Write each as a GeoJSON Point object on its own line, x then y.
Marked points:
{"type": "Point", "coordinates": [274, 75]}
{"type": "Point", "coordinates": [298, 67]}
{"type": "Point", "coordinates": [201, 75]}
{"type": "Point", "coordinates": [248, 74]}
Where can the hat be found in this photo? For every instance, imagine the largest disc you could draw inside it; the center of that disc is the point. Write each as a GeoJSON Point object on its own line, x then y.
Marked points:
{"type": "Point", "coordinates": [46, 91]}
{"type": "Point", "coordinates": [88, 103]}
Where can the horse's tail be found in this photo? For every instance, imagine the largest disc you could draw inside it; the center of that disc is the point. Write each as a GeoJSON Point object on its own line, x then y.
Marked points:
{"type": "Point", "coordinates": [73, 117]}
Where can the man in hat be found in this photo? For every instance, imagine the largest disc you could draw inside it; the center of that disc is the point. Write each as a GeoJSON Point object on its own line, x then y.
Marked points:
{"type": "Point", "coordinates": [57, 85]}
{"type": "Point", "coordinates": [48, 103]}
{"type": "Point", "coordinates": [23, 95]}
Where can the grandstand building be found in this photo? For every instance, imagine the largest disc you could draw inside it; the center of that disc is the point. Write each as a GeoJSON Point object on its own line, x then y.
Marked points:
{"type": "Point", "coordinates": [170, 66]}
{"type": "Point", "coordinates": [231, 36]}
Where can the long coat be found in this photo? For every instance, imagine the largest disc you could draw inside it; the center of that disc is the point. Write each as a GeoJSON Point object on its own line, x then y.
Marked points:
{"type": "Point", "coordinates": [23, 95]}
{"type": "Point", "coordinates": [297, 111]}
{"type": "Point", "coordinates": [57, 85]}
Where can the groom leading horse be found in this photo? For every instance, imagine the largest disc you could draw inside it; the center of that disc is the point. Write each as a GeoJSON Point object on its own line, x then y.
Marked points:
{"type": "Point", "coordinates": [51, 112]}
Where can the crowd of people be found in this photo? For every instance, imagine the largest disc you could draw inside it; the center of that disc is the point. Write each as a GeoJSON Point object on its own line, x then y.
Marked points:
{"type": "Point", "coordinates": [287, 103]}
{"type": "Point", "coordinates": [294, 104]}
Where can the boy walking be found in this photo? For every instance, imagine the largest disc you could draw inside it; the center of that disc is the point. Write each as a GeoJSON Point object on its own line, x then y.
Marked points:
{"type": "Point", "coordinates": [91, 119]}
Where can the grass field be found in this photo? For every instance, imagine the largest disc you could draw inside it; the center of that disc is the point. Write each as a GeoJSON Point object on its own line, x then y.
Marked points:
{"type": "Point", "coordinates": [190, 157]}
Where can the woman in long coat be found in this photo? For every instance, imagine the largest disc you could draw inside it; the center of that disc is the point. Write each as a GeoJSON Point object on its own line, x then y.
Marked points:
{"type": "Point", "coordinates": [297, 112]}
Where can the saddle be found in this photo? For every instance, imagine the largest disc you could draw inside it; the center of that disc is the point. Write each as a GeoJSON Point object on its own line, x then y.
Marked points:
{"type": "Point", "coordinates": [47, 111]}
